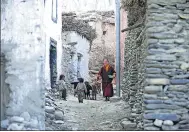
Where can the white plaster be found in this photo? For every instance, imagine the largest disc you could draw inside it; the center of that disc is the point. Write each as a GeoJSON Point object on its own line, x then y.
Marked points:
{"type": "Point", "coordinates": [52, 30]}
{"type": "Point", "coordinates": [22, 39]}
{"type": "Point", "coordinates": [82, 47]}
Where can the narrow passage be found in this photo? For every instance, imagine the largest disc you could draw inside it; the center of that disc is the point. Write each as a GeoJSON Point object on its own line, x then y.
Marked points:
{"type": "Point", "coordinates": [93, 114]}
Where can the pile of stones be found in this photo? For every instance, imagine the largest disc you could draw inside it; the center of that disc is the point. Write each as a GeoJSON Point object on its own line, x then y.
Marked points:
{"type": "Point", "coordinates": [22, 122]}
{"type": "Point", "coordinates": [53, 114]}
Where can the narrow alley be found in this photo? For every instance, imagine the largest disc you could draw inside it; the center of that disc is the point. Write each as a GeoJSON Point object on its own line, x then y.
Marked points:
{"type": "Point", "coordinates": [53, 48]}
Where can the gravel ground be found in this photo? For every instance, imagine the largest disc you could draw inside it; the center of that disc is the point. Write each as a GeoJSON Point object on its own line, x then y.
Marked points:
{"type": "Point", "coordinates": [92, 114]}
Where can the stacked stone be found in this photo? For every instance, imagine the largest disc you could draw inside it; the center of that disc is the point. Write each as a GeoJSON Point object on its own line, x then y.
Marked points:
{"type": "Point", "coordinates": [53, 114]}
{"type": "Point", "coordinates": [133, 79]}
{"type": "Point", "coordinates": [66, 62]}
{"type": "Point", "coordinates": [166, 95]}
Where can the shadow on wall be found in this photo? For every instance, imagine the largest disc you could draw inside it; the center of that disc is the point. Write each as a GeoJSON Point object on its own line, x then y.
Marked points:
{"type": "Point", "coordinates": [5, 91]}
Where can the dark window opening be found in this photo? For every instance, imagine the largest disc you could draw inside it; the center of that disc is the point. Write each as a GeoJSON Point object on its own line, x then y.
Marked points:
{"type": "Point", "coordinates": [104, 32]}
{"type": "Point", "coordinates": [53, 62]}
{"type": "Point", "coordinates": [54, 16]}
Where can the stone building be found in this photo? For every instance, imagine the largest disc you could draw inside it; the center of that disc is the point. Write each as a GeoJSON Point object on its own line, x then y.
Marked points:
{"type": "Point", "coordinates": [156, 81]}
{"type": "Point", "coordinates": [25, 42]}
{"type": "Point", "coordinates": [77, 37]}
{"type": "Point", "coordinates": [100, 15]}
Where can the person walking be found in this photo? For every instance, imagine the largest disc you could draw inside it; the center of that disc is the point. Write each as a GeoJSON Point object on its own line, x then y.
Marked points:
{"type": "Point", "coordinates": [62, 87]}
{"type": "Point", "coordinates": [107, 73]}
{"type": "Point", "coordinates": [81, 89]}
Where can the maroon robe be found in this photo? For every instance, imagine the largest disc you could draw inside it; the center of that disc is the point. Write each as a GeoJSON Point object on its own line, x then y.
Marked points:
{"type": "Point", "coordinates": [107, 86]}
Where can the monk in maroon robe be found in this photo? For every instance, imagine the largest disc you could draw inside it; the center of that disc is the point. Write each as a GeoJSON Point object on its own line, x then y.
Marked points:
{"type": "Point", "coordinates": [107, 73]}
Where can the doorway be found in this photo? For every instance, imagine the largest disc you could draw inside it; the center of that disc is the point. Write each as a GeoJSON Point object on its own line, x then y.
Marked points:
{"type": "Point", "coordinates": [53, 62]}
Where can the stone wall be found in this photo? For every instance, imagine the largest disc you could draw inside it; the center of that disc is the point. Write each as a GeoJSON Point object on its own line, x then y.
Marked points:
{"type": "Point", "coordinates": [104, 44]}
{"type": "Point", "coordinates": [22, 42]}
{"type": "Point", "coordinates": [134, 67]}
{"type": "Point", "coordinates": [167, 66]}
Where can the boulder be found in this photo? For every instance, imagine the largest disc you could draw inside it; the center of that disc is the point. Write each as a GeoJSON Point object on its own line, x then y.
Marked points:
{"type": "Point", "coordinates": [168, 123]}
{"type": "Point", "coordinates": [34, 123]}
{"type": "Point", "coordinates": [15, 126]}
{"type": "Point", "coordinates": [49, 109]}
{"type": "Point", "coordinates": [128, 124]}
{"type": "Point", "coordinates": [16, 119]}
{"type": "Point", "coordinates": [170, 128]}
{"type": "Point", "coordinates": [59, 115]}
{"type": "Point", "coordinates": [158, 123]}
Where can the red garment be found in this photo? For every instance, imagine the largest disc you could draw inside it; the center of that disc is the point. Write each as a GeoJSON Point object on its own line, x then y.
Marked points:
{"type": "Point", "coordinates": [107, 89]}
{"type": "Point", "coordinates": [106, 81]}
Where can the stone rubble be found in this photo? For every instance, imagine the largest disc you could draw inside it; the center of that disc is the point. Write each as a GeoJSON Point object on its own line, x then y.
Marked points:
{"type": "Point", "coordinates": [54, 115]}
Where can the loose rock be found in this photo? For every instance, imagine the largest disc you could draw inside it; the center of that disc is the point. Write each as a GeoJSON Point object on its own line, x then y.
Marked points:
{"type": "Point", "coordinates": [17, 119]}
{"type": "Point", "coordinates": [58, 115]}
{"type": "Point", "coordinates": [49, 109]}
{"type": "Point", "coordinates": [168, 123]}
{"type": "Point", "coordinates": [128, 124]}
{"type": "Point", "coordinates": [158, 123]}
{"type": "Point", "coordinates": [26, 116]}
{"type": "Point", "coordinates": [15, 126]}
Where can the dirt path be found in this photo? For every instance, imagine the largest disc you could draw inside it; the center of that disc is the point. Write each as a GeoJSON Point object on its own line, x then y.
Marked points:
{"type": "Point", "coordinates": [93, 115]}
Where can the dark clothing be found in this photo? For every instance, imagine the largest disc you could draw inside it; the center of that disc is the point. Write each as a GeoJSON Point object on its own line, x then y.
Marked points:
{"type": "Point", "coordinates": [75, 85]}
{"type": "Point", "coordinates": [107, 87]}
{"type": "Point", "coordinates": [87, 93]}
{"type": "Point", "coordinates": [64, 94]}
{"type": "Point", "coordinates": [94, 92]}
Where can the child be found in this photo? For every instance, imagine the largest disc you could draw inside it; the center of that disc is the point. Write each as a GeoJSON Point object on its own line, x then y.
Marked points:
{"type": "Point", "coordinates": [98, 86]}
{"type": "Point", "coordinates": [81, 88]}
{"type": "Point", "coordinates": [87, 93]}
{"type": "Point", "coordinates": [62, 87]}
{"type": "Point", "coordinates": [94, 91]}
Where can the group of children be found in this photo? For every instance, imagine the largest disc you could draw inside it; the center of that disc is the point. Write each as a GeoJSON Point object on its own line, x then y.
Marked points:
{"type": "Point", "coordinates": [86, 91]}
{"type": "Point", "coordinates": [83, 90]}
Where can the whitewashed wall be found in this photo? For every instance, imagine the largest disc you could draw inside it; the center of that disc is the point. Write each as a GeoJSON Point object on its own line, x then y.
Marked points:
{"type": "Point", "coordinates": [22, 42]}
{"type": "Point", "coordinates": [52, 30]}
{"type": "Point", "coordinates": [82, 47]}
{"type": "Point", "coordinates": [87, 5]}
